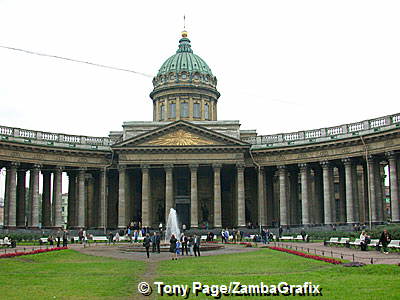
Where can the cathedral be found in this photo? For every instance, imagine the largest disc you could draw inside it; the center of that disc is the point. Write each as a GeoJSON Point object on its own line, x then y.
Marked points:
{"type": "Point", "coordinates": [213, 173]}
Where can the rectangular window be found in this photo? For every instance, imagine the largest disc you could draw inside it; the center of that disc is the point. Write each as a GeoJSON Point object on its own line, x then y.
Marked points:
{"type": "Point", "coordinates": [206, 112]}
{"type": "Point", "coordinates": [172, 110]}
{"type": "Point", "coordinates": [184, 109]}
{"type": "Point", "coordinates": [196, 110]}
{"type": "Point", "coordinates": [162, 112]}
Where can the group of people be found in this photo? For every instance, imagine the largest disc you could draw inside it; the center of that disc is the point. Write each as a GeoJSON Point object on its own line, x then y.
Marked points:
{"type": "Point", "coordinates": [237, 235]}
{"type": "Point", "coordinates": [384, 240]}
{"type": "Point", "coordinates": [60, 236]}
{"type": "Point", "coordinates": [186, 244]}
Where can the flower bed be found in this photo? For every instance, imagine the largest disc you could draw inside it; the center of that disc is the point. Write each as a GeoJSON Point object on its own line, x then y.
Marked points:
{"type": "Point", "coordinates": [316, 257]}
{"type": "Point", "coordinates": [14, 254]}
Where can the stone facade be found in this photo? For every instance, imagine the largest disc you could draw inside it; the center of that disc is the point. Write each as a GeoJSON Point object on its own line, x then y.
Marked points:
{"type": "Point", "coordinates": [214, 174]}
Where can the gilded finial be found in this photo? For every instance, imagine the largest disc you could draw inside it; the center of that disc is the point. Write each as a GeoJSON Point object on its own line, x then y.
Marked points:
{"type": "Point", "coordinates": [184, 32]}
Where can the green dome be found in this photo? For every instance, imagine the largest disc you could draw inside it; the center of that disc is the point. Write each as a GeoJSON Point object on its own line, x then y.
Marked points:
{"type": "Point", "coordinates": [184, 60]}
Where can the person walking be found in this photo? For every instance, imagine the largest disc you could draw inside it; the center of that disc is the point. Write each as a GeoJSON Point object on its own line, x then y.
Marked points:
{"type": "Point", "coordinates": [146, 244]}
{"type": "Point", "coordinates": [184, 242]}
{"type": "Point", "coordinates": [172, 247]}
{"type": "Point", "coordinates": [65, 238]}
{"type": "Point", "coordinates": [385, 240]}
{"type": "Point", "coordinates": [190, 244]}
{"type": "Point", "coordinates": [196, 245]}
{"type": "Point", "coordinates": [158, 240]}
{"type": "Point", "coordinates": [153, 243]}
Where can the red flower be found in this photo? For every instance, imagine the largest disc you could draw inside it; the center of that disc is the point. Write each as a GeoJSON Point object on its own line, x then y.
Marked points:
{"type": "Point", "coordinates": [316, 257]}
{"type": "Point", "coordinates": [14, 254]}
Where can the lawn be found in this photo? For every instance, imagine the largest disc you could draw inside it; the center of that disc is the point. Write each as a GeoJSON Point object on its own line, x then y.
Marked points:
{"type": "Point", "coordinates": [68, 274]}
{"type": "Point", "coordinates": [271, 267]}
{"type": "Point", "coordinates": [71, 275]}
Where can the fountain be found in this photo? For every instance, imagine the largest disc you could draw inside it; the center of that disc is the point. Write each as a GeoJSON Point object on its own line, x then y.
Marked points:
{"type": "Point", "coordinates": [172, 226]}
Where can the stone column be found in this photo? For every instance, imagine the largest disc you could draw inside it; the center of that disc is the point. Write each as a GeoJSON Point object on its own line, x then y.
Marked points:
{"type": "Point", "coordinates": [91, 209]}
{"type": "Point", "coordinates": [217, 196]}
{"type": "Point", "coordinates": [122, 222]}
{"type": "Point", "coordinates": [348, 165]}
{"type": "Point", "coordinates": [305, 193]}
{"type": "Point", "coordinates": [262, 213]}
{"type": "Point", "coordinates": [21, 181]}
{"type": "Point", "coordinates": [81, 198]}
{"type": "Point", "coordinates": [57, 197]}
{"type": "Point", "coordinates": [194, 205]}
{"type": "Point", "coordinates": [169, 189]}
{"type": "Point", "coordinates": [103, 198]}
{"type": "Point", "coordinates": [146, 214]}
{"type": "Point", "coordinates": [35, 195]}
{"type": "Point", "coordinates": [6, 196]}
{"type": "Point", "coordinates": [283, 196]}
{"type": "Point", "coordinates": [71, 199]}
{"type": "Point", "coordinates": [394, 187]}
{"type": "Point", "coordinates": [327, 174]}
{"type": "Point", "coordinates": [372, 188]}
{"type": "Point", "coordinates": [46, 200]}
{"type": "Point", "coordinates": [12, 195]}
{"type": "Point", "coordinates": [241, 216]}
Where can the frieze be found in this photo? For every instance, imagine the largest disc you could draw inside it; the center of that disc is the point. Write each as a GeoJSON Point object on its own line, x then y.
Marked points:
{"type": "Point", "coordinates": [49, 158]}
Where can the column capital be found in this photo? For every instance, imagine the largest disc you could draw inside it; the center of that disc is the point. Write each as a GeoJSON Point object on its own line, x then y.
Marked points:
{"type": "Point", "coordinates": [58, 168]}
{"type": "Point", "coordinates": [193, 167]}
{"type": "Point", "coordinates": [348, 161]}
{"type": "Point", "coordinates": [14, 164]}
{"type": "Point", "coordinates": [371, 158]}
{"type": "Point", "coordinates": [261, 170]}
{"type": "Point", "coordinates": [37, 167]}
{"type": "Point", "coordinates": [325, 164]}
{"type": "Point", "coordinates": [102, 170]}
{"type": "Point", "coordinates": [121, 167]}
{"type": "Point", "coordinates": [217, 166]}
{"type": "Point", "coordinates": [168, 167]}
{"type": "Point", "coordinates": [303, 166]}
{"type": "Point", "coordinates": [281, 169]}
{"type": "Point", "coordinates": [82, 169]}
{"type": "Point", "coordinates": [240, 166]}
{"type": "Point", "coordinates": [145, 167]}
{"type": "Point", "coordinates": [391, 155]}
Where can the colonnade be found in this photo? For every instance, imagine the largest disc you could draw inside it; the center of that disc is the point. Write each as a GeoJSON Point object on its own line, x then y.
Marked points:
{"type": "Point", "coordinates": [349, 190]}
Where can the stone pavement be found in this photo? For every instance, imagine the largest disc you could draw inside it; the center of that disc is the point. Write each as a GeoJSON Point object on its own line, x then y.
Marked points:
{"type": "Point", "coordinates": [117, 251]}
{"type": "Point", "coordinates": [367, 257]}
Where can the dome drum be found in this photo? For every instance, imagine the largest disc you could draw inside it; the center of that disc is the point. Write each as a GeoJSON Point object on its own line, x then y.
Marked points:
{"type": "Point", "coordinates": [182, 78]}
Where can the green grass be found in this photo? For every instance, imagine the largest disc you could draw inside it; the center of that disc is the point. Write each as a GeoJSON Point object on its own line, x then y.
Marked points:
{"type": "Point", "coordinates": [272, 267]}
{"type": "Point", "coordinates": [67, 274]}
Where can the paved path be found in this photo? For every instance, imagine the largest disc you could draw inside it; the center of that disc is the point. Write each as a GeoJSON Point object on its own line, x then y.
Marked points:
{"type": "Point", "coordinates": [117, 251]}
{"type": "Point", "coordinates": [337, 252]}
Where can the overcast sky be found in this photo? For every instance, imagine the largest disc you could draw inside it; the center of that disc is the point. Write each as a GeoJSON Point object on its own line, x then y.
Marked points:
{"type": "Point", "coordinates": [282, 66]}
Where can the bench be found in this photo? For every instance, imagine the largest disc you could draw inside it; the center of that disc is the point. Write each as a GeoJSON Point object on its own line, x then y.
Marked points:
{"type": "Point", "coordinates": [5, 243]}
{"type": "Point", "coordinates": [344, 241]}
{"type": "Point", "coordinates": [298, 238]}
{"type": "Point", "coordinates": [356, 243]}
{"type": "Point", "coordinates": [394, 244]}
{"type": "Point", "coordinates": [99, 239]}
{"type": "Point", "coordinates": [43, 241]}
{"type": "Point", "coordinates": [373, 243]}
{"type": "Point", "coordinates": [289, 238]}
{"type": "Point", "coordinates": [333, 240]}
{"type": "Point", "coordinates": [203, 238]}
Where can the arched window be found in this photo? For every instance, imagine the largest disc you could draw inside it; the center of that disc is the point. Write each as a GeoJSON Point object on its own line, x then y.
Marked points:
{"type": "Point", "coordinates": [184, 109]}
{"type": "Point", "coordinates": [206, 112]}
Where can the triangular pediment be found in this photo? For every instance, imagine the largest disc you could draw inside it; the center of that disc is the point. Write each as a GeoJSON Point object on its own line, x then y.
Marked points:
{"type": "Point", "coordinates": [180, 134]}
{"type": "Point", "coordinates": [180, 137]}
